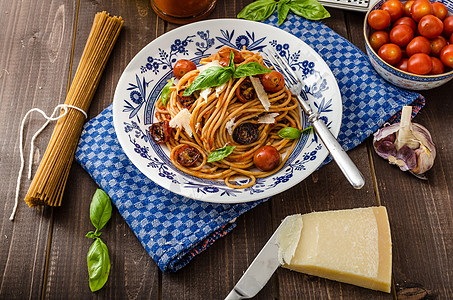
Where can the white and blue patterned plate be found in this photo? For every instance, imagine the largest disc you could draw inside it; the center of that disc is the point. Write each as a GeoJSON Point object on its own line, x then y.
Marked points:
{"type": "Point", "coordinates": [143, 79]}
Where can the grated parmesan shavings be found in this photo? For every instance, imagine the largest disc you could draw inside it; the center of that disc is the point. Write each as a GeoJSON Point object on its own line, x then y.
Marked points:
{"type": "Point", "coordinates": [259, 89]}
{"type": "Point", "coordinates": [182, 120]}
{"type": "Point", "coordinates": [214, 63]}
{"type": "Point", "coordinates": [268, 118]}
{"type": "Point", "coordinates": [229, 126]}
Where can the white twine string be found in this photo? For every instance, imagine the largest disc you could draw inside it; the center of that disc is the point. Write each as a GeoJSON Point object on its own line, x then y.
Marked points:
{"type": "Point", "coordinates": [52, 117]}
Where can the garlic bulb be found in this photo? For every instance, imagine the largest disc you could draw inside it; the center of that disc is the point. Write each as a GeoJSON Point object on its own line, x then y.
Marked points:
{"type": "Point", "coordinates": [407, 145]}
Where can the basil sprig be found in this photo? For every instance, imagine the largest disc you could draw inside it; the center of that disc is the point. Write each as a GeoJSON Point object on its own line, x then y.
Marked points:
{"type": "Point", "coordinates": [220, 153]}
{"type": "Point", "coordinates": [166, 92]}
{"type": "Point", "coordinates": [98, 260]}
{"type": "Point", "coordinates": [215, 76]}
{"type": "Point", "coordinates": [263, 9]}
{"type": "Point", "coordinates": [292, 133]}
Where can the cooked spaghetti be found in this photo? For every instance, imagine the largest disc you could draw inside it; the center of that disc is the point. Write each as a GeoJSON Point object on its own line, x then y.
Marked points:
{"type": "Point", "coordinates": [218, 118]}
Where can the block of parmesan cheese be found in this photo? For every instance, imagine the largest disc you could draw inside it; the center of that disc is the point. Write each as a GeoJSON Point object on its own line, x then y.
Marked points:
{"type": "Point", "coordinates": [351, 246]}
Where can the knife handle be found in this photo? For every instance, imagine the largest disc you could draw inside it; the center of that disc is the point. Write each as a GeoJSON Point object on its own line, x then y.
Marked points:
{"type": "Point", "coordinates": [342, 159]}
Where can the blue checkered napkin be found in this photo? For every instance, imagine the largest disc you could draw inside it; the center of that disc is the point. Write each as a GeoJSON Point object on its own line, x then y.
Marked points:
{"type": "Point", "coordinates": [368, 100]}
{"type": "Point", "coordinates": [173, 229]}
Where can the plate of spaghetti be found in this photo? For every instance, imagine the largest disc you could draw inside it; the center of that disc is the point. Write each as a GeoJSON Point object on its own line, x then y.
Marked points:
{"type": "Point", "coordinates": [201, 112]}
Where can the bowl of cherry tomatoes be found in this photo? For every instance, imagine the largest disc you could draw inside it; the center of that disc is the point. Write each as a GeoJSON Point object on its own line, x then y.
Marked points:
{"type": "Point", "coordinates": [410, 43]}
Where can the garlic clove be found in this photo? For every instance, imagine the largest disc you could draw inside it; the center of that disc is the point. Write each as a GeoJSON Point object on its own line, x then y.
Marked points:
{"type": "Point", "coordinates": [407, 145]}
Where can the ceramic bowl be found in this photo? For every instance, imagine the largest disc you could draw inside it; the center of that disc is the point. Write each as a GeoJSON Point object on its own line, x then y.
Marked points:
{"type": "Point", "coordinates": [395, 76]}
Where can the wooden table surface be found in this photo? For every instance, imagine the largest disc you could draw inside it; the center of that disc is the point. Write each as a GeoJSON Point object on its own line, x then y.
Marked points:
{"type": "Point", "coordinates": [43, 252]}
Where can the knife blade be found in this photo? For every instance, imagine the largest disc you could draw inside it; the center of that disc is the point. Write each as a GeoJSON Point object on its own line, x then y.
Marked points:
{"type": "Point", "coordinates": [259, 272]}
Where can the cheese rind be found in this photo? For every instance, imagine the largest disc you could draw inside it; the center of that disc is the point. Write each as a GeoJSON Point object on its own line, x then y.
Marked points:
{"type": "Point", "coordinates": [351, 246]}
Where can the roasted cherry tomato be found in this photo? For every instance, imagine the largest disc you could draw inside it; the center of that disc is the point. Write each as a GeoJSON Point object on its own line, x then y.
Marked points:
{"type": "Point", "coordinates": [446, 55]}
{"type": "Point", "coordinates": [185, 101]}
{"type": "Point", "coordinates": [160, 132]}
{"type": "Point", "coordinates": [451, 39]}
{"type": "Point", "coordinates": [407, 8]}
{"type": "Point", "coordinates": [401, 35]}
{"type": "Point", "coordinates": [419, 63]}
{"type": "Point", "coordinates": [182, 67]}
{"type": "Point", "coordinates": [225, 56]}
{"type": "Point", "coordinates": [379, 19]}
{"type": "Point", "coordinates": [390, 53]}
{"type": "Point", "coordinates": [421, 8]}
{"type": "Point", "coordinates": [430, 26]}
{"type": "Point", "coordinates": [246, 133]}
{"type": "Point", "coordinates": [273, 81]}
{"type": "Point", "coordinates": [395, 8]}
{"type": "Point", "coordinates": [448, 26]}
{"type": "Point", "coordinates": [437, 44]}
{"type": "Point", "coordinates": [246, 92]}
{"type": "Point", "coordinates": [419, 44]}
{"type": "Point", "coordinates": [406, 21]}
{"type": "Point", "coordinates": [402, 65]}
{"type": "Point", "coordinates": [379, 38]}
{"type": "Point", "coordinates": [438, 66]}
{"type": "Point", "coordinates": [267, 158]}
{"type": "Point", "coordinates": [187, 155]}
{"type": "Point", "coordinates": [440, 10]}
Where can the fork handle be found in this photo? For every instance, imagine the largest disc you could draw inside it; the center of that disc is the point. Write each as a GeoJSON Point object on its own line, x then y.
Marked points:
{"type": "Point", "coordinates": [342, 159]}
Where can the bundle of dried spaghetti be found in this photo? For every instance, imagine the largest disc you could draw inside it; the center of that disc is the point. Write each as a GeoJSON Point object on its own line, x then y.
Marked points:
{"type": "Point", "coordinates": [49, 182]}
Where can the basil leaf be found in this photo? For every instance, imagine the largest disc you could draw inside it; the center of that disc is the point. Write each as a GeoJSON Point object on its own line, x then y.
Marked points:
{"type": "Point", "coordinates": [289, 133]}
{"type": "Point", "coordinates": [93, 234]}
{"type": "Point", "coordinates": [212, 76]}
{"type": "Point", "coordinates": [220, 153]}
{"type": "Point", "coordinates": [250, 69]}
{"type": "Point", "coordinates": [100, 209]}
{"type": "Point", "coordinates": [258, 11]}
{"type": "Point", "coordinates": [231, 62]}
{"type": "Point", "coordinates": [98, 262]}
{"type": "Point", "coordinates": [282, 11]}
{"type": "Point", "coordinates": [309, 9]}
{"type": "Point", "coordinates": [166, 92]}
{"type": "Point", "coordinates": [309, 128]}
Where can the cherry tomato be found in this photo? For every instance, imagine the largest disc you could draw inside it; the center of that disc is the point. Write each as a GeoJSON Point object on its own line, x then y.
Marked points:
{"type": "Point", "coordinates": [267, 158]}
{"type": "Point", "coordinates": [421, 8]}
{"type": "Point", "coordinates": [440, 10]}
{"type": "Point", "coordinates": [438, 66]}
{"type": "Point", "coordinates": [160, 132]}
{"type": "Point", "coordinates": [395, 8]}
{"type": "Point", "coordinates": [451, 39]}
{"type": "Point", "coordinates": [390, 53]}
{"type": "Point", "coordinates": [185, 101]}
{"type": "Point", "coordinates": [225, 55]}
{"type": "Point", "coordinates": [401, 35]}
{"type": "Point", "coordinates": [379, 19]}
{"type": "Point", "coordinates": [406, 21]}
{"type": "Point", "coordinates": [245, 92]}
{"type": "Point", "coordinates": [419, 44]}
{"type": "Point", "coordinates": [273, 81]}
{"type": "Point", "coordinates": [379, 38]}
{"type": "Point", "coordinates": [430, 26]}
{"type": "Point", "coordinates": [437, 44]}
{"type": "Point", "coordinates": [187, 155]}
{"type": "Point", "coordinates": [419, 63]}
{"type": "Point", "coordinates": [182, 67]}
{"type": "Point", "coordinates": [246, 133]}
{"type": "Point", "coordinates": [446, 55]}
{"type": "Point", "coordinates": [448, 26]}
{"type": "Point", "coordinates": [407, 8]}
{"type": "Point", "coordinates": [402, 65]}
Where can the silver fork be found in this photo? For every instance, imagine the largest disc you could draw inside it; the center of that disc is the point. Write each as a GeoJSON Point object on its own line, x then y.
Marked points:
{"type": "Point", "coordinates": [295, 84]}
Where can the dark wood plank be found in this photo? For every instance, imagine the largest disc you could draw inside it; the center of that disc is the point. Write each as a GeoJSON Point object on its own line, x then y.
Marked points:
{"type": "Point", "coordinates": [420, 212]}
{"type": "Point", "coordinates": [34, 64]}
{"type": "Point", "coordinates": [133, 274]}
